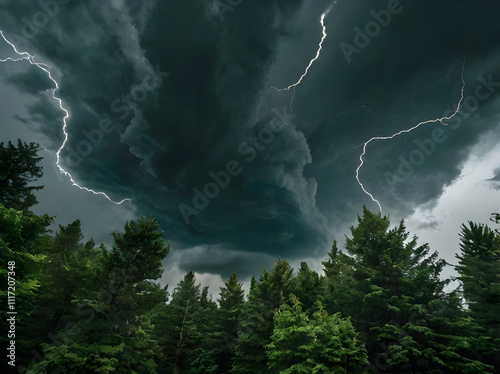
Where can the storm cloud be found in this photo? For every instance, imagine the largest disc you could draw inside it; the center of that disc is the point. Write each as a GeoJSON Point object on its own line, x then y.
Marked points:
{"type": "Point", "coordinates": [171, 104]}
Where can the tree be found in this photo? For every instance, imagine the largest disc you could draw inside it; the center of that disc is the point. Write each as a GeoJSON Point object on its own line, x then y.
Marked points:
{"type": "Point", "coordinates": [23, 240]}
{"type": "Point", "coordinates": [204, 363]}
{"type": "Point", "coordinates": [109, 329]}
{"type": "Point", "coordinates": [339, 273]}
{"type": "Point", "coordinates": [256, 324]}
{"type": "Point", "coordinates": [231, 302]}
{"type": "Point", "coordinates": [398, 304]}
{"type": "Point", "coordinates": [176, 326]}
{"type": "Point", "coordinates": [321, 344]}
{"type": "Point", "coordinates": [308, 286]}
{"type": "Point", "coordinates": [207, 324]}
{"type": "Point", "coordinates": [479, 269]}
{"type": "Point", "coordinates": [19, 167]}
{"type": "Point", "coordinates": [64, 275]}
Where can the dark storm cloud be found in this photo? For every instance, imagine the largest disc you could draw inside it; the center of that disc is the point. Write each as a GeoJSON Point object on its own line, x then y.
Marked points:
{"type": "Point", "coordinates": [32, 81]}
{"type": "Point", "coordinates": [21, 119]}
{"type": "Point", "coordinates": [46, 117]}
{"type": "Point", "coordinates": [164, 96]}
{"type": "Point", "coordinates": [409, 70]}
{"type": "Point", "coordinates": [44, 114]}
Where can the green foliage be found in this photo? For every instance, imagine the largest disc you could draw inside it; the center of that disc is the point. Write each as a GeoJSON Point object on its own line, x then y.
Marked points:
{"type": "Point", "coordinates": [308, 286]}
{"type": "Point", "coordinates": [116, 294]}
{"type": "Point", "coordinates": [479, 269]}
{"type": "Point", "coordinates": [140, 250]}
{"type": "Point", "coordinates": [398, 304]}
{"type": "Point", "coordinates": [177, 325]}
{"type": "Point", "coordinates": [204, 363]}
{"type": "Point", "coordinates": [19, 167]}
{"type": "Point", "coordinates": [257, 318]}
{"type": "Point", "coordinates": [321, 344]}
{"type": "Point", "coordinates": [339, 273]}
{"type": "Point", "coordinates": [23, 238]}
{"type": "Point", "coordinates": [186, 329]}
{"type": "Point", "coordinates": [231, 302]}
{"type": "Point", "coordinates": [65, 275]}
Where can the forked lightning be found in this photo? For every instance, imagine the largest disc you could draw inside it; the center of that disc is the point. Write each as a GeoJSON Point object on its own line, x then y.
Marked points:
{"type": "Point", "coordinates": [318, 52]}
{"type": "Point", "coordinates": [406, 131]}
{"type": "Point", "coordinates": [26, 56]}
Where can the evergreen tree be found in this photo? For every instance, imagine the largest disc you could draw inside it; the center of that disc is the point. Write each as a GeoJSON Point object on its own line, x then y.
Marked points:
{"type": "Point", "coordinates": [253, 283]}
{"type": "Point", "coordinates": [207, 324]}
{"type": "Point", "coordinates": [19, 167]}
{"type": "Point", "coordinates": [207, 319]}
{"type": "Point", "coordinates": [230, 302]}
{"type": "Point", "coordinates": [479, 269]}
{"type": "Point", "coordinates": [177, 326]}
{"type": "Point", "coordinates": [398, 304]}
{"type": "Point", "coordinates": [308, 286]}
{"type": "Point", "coordinates": [115, 335]}
{"type": "Point", "coordinates": [65, 274]}
{"type": "Point", "coordinates": [23, 239]}
{"type": "Point", "coordinates": [204, 363]}
{"type": "Point", "coordinates": [339, 273]}
{"type": "Point", "coordinates": [256, 324]}
{"type": "Point", "coordinates": [321, 344]}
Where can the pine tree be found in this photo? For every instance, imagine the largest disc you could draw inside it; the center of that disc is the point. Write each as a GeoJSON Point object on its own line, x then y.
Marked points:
{"type": "Point", "coordinates": [204, 363]}
{"type": "Point", "coordinates": [207, 319]}
{"type": "Point", "coordinates": [292, 340]}
{"type": "Point", "coordinates": [19, 167]}
{"type": "Point", "coordinates": [206, 322]}
{"type": "Point", "coordinates": [176, 326]}
{"type": "Point", "coordinates": [253, 283]}
{"type": "Point", "coordinates": [23, 240]}
{"type": "Point", "coordinates": [231, 301]}
{"type": "Point", "coordinates": [320, 344]}
{"type": "Point", "coordinates": [308, 286]}
{"type": "Point", "coordinates": [479, 269]}
{"type": "Point", "coordinates": [256, 324]}
{"type": "Point", "coordinates": [109, 328]}
{"type": "Point", "coordinates": [339, 274]}
{"type": "Point", "coordinates": [398, 304]}
{"type": "Point", "coordinates": [65, 274]}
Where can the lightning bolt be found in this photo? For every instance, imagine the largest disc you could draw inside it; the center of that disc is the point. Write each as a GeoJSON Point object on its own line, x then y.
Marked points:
{"type": "Point", "coordinates": [31, 59]}
{"type": "Point", "coordinates": [436, 120]}
{"type": "Point", "coordinates": [318, 52]}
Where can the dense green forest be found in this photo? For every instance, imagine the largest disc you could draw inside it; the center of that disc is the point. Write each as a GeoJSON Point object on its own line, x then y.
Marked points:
{"type": "Point", "coordinates": [379, 307]}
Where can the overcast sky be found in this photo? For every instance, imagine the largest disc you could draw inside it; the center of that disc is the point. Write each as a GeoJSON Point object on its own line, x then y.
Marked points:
{"type": "Point", "coordinates": [179, 107]}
